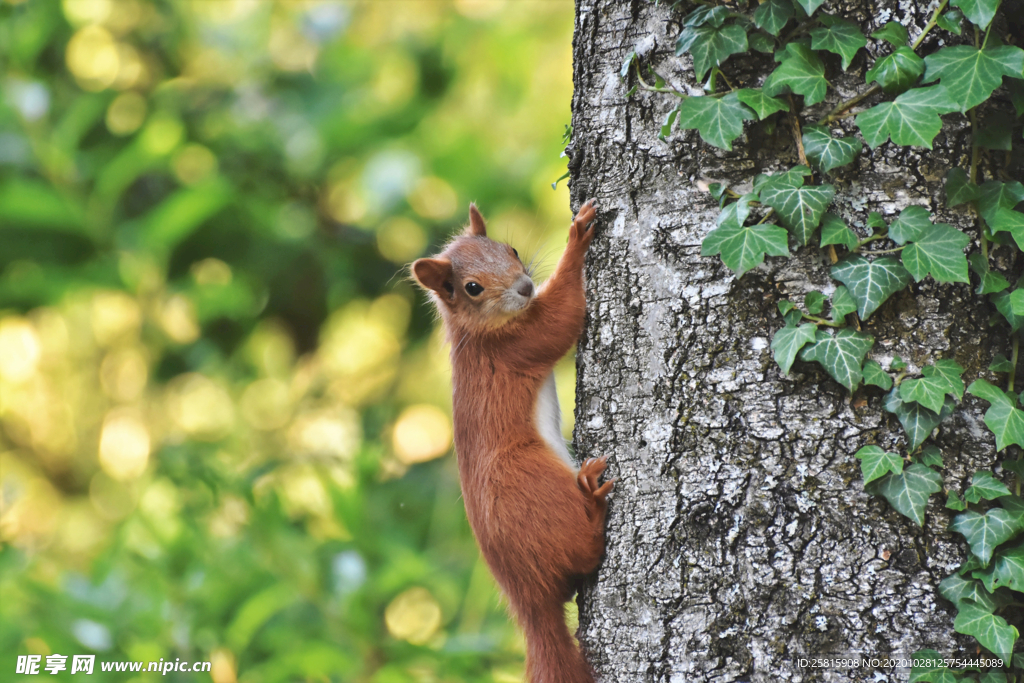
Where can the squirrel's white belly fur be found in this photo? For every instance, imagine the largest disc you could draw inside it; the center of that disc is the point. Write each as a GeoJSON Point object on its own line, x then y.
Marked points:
{"type": "Point", "coordinates": [547, 417]}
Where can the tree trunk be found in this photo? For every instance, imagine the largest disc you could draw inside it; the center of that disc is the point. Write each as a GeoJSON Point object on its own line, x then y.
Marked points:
{"type": "Point", "coordinates": [740, 537]}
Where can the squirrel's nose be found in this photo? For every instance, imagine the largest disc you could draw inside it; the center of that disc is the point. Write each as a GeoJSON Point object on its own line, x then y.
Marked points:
{"type": "Point", "coordinates": [525, 288]}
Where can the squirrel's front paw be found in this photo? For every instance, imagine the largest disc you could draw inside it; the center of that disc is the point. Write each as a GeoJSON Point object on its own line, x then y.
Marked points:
{"type": "Point", "coordinates": [588, 477]}
{"type": "Point", "coordinates": [582, 230]}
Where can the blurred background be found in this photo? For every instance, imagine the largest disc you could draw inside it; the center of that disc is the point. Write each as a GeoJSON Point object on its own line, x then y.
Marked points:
{"type": "Point", "coordinates": [224, 411]}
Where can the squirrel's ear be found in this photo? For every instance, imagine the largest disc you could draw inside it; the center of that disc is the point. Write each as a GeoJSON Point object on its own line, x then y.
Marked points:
{"type": "Point", "coordinates": [434, 274]}
{"type": "Point", "coordinates": [476, 223]}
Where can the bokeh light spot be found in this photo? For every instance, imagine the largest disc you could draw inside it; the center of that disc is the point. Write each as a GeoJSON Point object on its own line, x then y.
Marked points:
{"type": "Point", "coordinates": [193, 164]}
{"type": "Point", "coordinates": [401, 240]}
{"type": "Point", "coordinates": [433, 198]}
{"type": "Point", "coordinates": [413, 615]}
{"type": "Point", "coordinates": [19, 349]}
{"type": "Point", "coordinates": [93, 58]}
{"type": "Point", "coordinates": [115, 316]}
{"type": "Point", "coordinates": [126, 113]}
{"type": "Point", "coordinates": [422, 432]}
{"type": "Point", "coordinates": [124, 445]}
{"type": "Point", "coordinates": [200, 407]}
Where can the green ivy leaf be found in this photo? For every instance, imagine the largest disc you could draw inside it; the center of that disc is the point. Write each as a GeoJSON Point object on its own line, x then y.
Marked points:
{"type": "Point", "coordinates": [842, 304]}
{"type": "Point", "coordinates": [828, 152]}
{"type": "Point", "coordinates": [801, 71]}
{"type": "Point", "coordinates": [1000, 363]}
{"type": "Point", "coordinates": [956, 588]}
{"type": "Point", "coordinates": [626, 63]}
{"type": "Point", "coordinates": [910, 119]}
{"type": "Point", "coordinates": [762, 105]}
{"type": "Point", "coordinates": [926, 669]}
{"type": "Point", "coordinates": [788, 341]}
{"type": "Point", "coordinates": [995, 195]}
{"type": "Point", "coordinates": [761, 42]}
{"type": "Point", "coordinates": [810, 5]}
{"type": "Point", "coordinates": [984, 485]}
{"type": "Point", "coordinates": [928, 391]}
{"type": "Point", "coordinates": [785, 306]}
{"type": "Point", "coordinates": [918, 422]}
{"type": "Point", "coordinates": [736, 212]}
{"type": "Point", "coordinates": [991, 281]}
{"type": "Point", "coordinates": [876, 222]}
{"type": "Point", "coordinates": [835, 231]}
{"type": "Point", "coordinates": [959, 188]}
{"type": "Point", "coordinates": [980, 12]}
{"type": "Point", "coordinates": [950, 21]}
{"type": "Point", "coordinates": [950, 371]}
{"type": "Point", "coordinates": [897, 71]}
{"type": "Point", "coordinates": [1004, 419]}
{"type": "Point", "coordinates": [666, 126]}
{"type": "Point", "coordinates": [995, 132]}
{"type": "Point", "coordinates": [870, 282]}
{"type": "Point", "coordinates": [954, 502]}
{"type": "Point", "coordinates": [708, 14]}
{"type": "Point", "coordinates": [1008, 220]}
{"type": "Point", "coordinates": [876, 376]}
{"type": "Point", "coordinates": [912, 223]}
{"type": "Point", "coordinates": [773, 15]}
{"type": "Point", "coordinates": [897, 364]}
{"type": "Point", "coordinates": [908, 491]}
{"type": "Point", "coordinates": [838, 37]}
{"type": "Point", "coordinates": [931, 456]}
{"type": "Point", "coordinates": [1015, 506]}
{"type": "Point", "coordinates": [814, 302]}
{"type": "Point", "coordinates": [841, 355]}
{"type": "Point", "coordinates": [984, 531]}
{"type": "Point", "coordinates": [793, 318]}
{"type": "Point", "coordinates": [992, 631]}
{"type": "Point", "coordinates": [969, 74]}
{"type": "Point", "coordinates": [1004, 304]}
{"type": "Point", "coordinates": [744, 247]}
{"type": "Point", "coordinates": [719, 120]}
{"type": "Point", "coordinates": [800, 208]}
{"type": "Point", "coordinates": [876, 463]}
{"type": "Point", "coordinates": [893, 32]}
{"type": "Point", "coordinates": [1016, 90]}
{"type": "Point", "coordinates": [711, 45]}
{"type": "Point", "coordinates": [1007, 570]}
{"type": "Point", "coordinates": [940, 252]}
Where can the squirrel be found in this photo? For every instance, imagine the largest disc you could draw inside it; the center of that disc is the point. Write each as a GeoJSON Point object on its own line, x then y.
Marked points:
{"type": "Point", "coordinates": [539, 522]}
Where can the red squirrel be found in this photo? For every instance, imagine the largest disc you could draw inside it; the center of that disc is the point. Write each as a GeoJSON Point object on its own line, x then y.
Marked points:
{"type": "Point", "coordinates": [539, 522]}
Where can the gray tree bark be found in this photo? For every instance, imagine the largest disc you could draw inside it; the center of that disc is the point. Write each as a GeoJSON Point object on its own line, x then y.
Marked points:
{"type": "Point", "coordinates": [740, 537]}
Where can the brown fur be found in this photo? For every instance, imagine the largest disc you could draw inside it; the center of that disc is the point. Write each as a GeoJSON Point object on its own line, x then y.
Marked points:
{"type": "Point", "coordinates": [540, 525]}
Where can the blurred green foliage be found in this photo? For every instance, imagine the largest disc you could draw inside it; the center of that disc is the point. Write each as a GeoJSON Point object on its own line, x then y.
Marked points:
{"type": "Point", "coordinates": [224, 428]}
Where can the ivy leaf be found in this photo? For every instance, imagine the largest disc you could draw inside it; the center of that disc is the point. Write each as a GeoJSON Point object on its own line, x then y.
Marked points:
{"type": "Point", "coordinates": [761, 42]}
{"type": "Point", "coordinates": [788, 341]}
{"type": "Point", "coordinates": [897, 364]}
{"type": "Point", "coordinates": [842, 304]}
{"type": "Point", "coordinates": [794, 177]}
{"type": "Point", "coordinates": [800, 208]}
{"type": "Point", "coordinates": [1000, 364]}
{"type": "Point", "coordinates": [910, 119]}
{"type": "Point", "coordinates": [666, 126]}
{"type": "Point", "coordinates": [876, 376]}
{"type": "Point", "coordinates": [950, 371]}
{"type": "Point", "coordinates": [737, 211]}
{"type": "Point", "coordinates": [718, 119]}
{"type": "Point", "coordinates": [984, 485]}
{"type": "Point", "coordinates": [928, 668]}
{"type": "Point", "coordinates": [711, 45]}
{"type": "Point", "coordinates": [991, 281]}
{"type": "Point", "coordinates": [928, 391]}
{"type": "Point", "coordinates": [908, 491]}
{"type": "Point", "coordinates": [785, 306]}
{"type": "Point", "coordinates": [876, 222]}
{"type": "Point", "coordinates": [1004, 304]}
{"type": "Point", "coordinates": [1008, 220]}
{"type": "Point", "coordinates": [707, 14]}
{"type": "Point", "coordinates": [940, 252]}
{"type": "Point", "coordinates": [814, 302]}
{"type": "Point", "coordinates": [893, 32]}
{"type": "Point", "coordinates": [876, 463]}
{"type": "Point", "coordinates": [626, 63]}
{"type": "Point", "coordinates": [835, 231]}
{"type": "Point", "coordinates": [950, 21]}
{"type": "Point", "coordinates": [793, 318]}
{"type": "Point", "coordinates": [744, 247]}
{"type": "Point", "coordinates": [984, 531]}
{"type": "Point", "coordinates": [956, 588]}
{"type": "Point", "coordinates": [995, 195]}
{"type": "Point", "coordinates": [1007, 570]}
{"type": "Point", "coordinates": [911, 224]}
{"type": "Point", "coordinates": [918, 422]}
{"type": "Point", "coordinates": [810, 5]}
{"type": "Point", "coordinates": [959, 188]}
{"type": "Point", "coordinates": [801, 71]}
{"type": "Point", "coordinates": [1015, 506]}
{"type": "Point", "coordinates": [870, 282]}
{"type": "Point", "coordinates": [954, 502]}
{"type": "Point", "coordinates": [931, 456]}
{"type": "Point", "coordinates": [969, 74]}
{"type": "Point", "coordinates": [992, 631]}
{"type": "Point", "coordinates": [995, 132]}
{"type": "Point", "coordinates": [1016, 89]}
{"type": "Point", "coordinates": [762, 105]}
{"type": "Point", "coordinates": [773, 15]}
{"type": "Point", "coordinates": [838, 37]}
{"type": "Point", "coordinates": [897, 71]}
{"type": "Point", "coordinates": [841, 355]}
{"type": "Point", "coordinates": [980, 12]}
{"type": "Point", "coordinates": [1004, 419]}
{"type": "Point", "coordinates": [828, 152]}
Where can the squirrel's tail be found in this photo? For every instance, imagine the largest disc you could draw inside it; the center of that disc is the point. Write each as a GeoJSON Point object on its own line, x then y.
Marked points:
{"type": "Point", "coordinates": [551, 652]}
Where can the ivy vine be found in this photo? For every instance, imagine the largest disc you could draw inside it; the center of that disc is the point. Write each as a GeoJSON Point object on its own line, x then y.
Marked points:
{"type": "Point", "coordinates": [871, 264]}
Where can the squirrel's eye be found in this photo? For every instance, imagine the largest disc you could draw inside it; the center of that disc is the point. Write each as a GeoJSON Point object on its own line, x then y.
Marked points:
{"type": "Point", "coordinates": [515, 252]}
{"type": "Point", "coordinates": [473, 288]}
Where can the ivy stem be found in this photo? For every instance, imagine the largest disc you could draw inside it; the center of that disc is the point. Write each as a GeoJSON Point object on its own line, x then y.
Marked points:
{"type": "Point", "coordinates": [652, 88]}
{"type": "Point", "coordinates": [879, 236]}
{"type": "Point", "coordinates": [930, 25]}
{"type": "Point", "coordinates": [899, 378]}
{"type": "Point", "coordinates": [1013, 362]}
{"type": "Point", "coordinates": [766, 216]}
{"type": "Point", "coordinates": [889, 251]}
{"type": "Point", "coordinates": [817, 320]}
{"type": "Point", "coordinates": [837, 112]}
{"type": "Point", "coordinates": [724, 78]}
{"type": "Point", "coordinates": [797, 134]}
{"type": "Point", "coordinates": [973, 176]}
